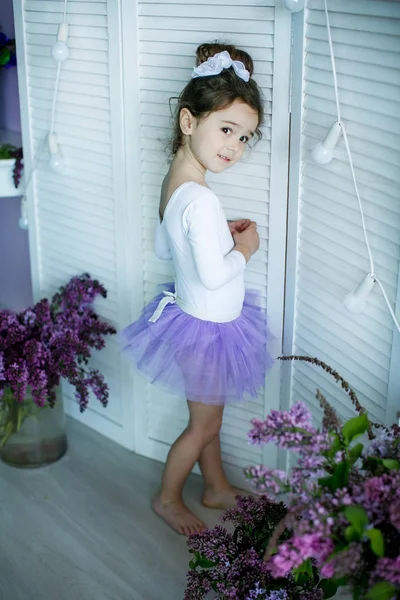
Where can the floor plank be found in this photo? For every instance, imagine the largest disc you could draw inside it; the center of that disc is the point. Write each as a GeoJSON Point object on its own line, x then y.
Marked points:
{"type": "Point", "coordinates": [82, 529]}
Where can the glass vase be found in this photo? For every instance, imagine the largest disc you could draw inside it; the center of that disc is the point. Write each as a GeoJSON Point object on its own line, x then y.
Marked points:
{"type": "Point", "coordinates": [38, 436]}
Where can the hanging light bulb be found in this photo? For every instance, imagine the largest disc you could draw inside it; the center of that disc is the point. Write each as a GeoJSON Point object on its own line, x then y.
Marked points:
{"type": "Point", "coordinates": [294, 6]}
{"type": "Point", "coordinates": [322, 153]}
{"type": "Point", "coordinates": [23, 220]}
{"type": "Point", "coordinates": [60, 48]}
{"type": "Point", "coordinates": [355, 301]}
{"type": "Point", "coordinates": [56, 160]}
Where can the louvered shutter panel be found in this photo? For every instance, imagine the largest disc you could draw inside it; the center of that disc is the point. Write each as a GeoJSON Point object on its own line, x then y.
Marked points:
{"type": "Point", "coordinates": [75, 219]}
{"type": "Point", "coordinates": [169, 33]}
{"type": "Point", "coordinates": [332, 256]}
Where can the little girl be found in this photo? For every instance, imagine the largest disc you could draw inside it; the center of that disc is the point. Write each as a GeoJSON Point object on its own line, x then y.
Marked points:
{"type": "Point", "coordinates": [204, 337]}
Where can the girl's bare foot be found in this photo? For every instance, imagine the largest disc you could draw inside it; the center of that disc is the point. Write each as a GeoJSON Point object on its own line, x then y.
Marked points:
{"type": "Point", "coordinates": [222, 499]}
{"type": "Point", "coordinates": [178, 516]}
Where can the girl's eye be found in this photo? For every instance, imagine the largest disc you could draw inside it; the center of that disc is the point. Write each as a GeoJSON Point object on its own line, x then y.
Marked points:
{"type": "Point", "coordinates": [227, 130]}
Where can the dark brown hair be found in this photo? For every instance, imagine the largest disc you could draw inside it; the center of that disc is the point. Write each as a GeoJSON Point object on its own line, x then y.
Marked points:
{"type": "Point", "coordinates": [204, 95]}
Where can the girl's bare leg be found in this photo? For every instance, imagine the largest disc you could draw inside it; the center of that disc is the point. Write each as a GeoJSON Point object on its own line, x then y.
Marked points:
{"type": "Point", "coordinates": [218, 492]}
{"type": "Point", "coordinates": [204, 425]}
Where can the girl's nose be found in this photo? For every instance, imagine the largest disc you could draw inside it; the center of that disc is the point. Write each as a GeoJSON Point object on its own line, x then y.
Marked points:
{"type": "Point", "coordinates": [233, 145]}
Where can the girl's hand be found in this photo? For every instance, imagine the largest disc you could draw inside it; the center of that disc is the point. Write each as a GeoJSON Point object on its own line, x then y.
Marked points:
{"type": "Point", "coordinates": [238, 226]}
{"type": "Point", "coordinates": [247, 241]}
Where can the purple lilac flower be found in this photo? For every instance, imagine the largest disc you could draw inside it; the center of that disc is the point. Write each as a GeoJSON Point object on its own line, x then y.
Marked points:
{"type": "Point", "coordinates": [283, 427]}
{"type": "Point", "coordinates": [52, 340]}
{"type": "Point", "coordinates": [316, 594]}
{"type": "Point", "coordinates": [256, 592]}
{"type": "Point", "coordinates": [2, 367]}
{"type": "Point", "coordinates": [277, 595]}
{"type": "Point", "coordinates": [387, 569]}
{"type": "Point", "coordinates": [215, 544]}
{"type": "Point", "coordinates": [253, 512]}
{"type": "Point", "coordinates": [29, 317]}
{"type": "Point", "coordinates": [394, 513]}
{"type": "Point", "coordinates": [348, 562]}
{"type": "Point", "coordinates": [241, 576]}
{"type": "Point", "coordinates": [377, 494]}
{"type": "Point", "coordinates": [292, 553]}
{"type": "Point", "coordinates": [266, 480]}
{"type": "Point", "coordinates": [385, 445]}
{"type": "Point", "coordinates": [198, 585]}
{"type": "Point", "coordinates": [292, 430]}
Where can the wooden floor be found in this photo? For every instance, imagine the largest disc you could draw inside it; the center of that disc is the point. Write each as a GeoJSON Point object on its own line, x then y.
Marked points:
{"type": "Point", "coordinates": [82, 528]}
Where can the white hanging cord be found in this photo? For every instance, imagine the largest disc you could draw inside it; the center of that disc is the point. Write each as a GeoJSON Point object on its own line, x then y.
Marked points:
{"type": "Point", "coordinates": [328, 25]}
{"type": "Point", "coordinates": [346, 143]}
{"type": "Point", "coordinates": [53, 112]}
{"type": "Point", "coordinates": [24, 219]}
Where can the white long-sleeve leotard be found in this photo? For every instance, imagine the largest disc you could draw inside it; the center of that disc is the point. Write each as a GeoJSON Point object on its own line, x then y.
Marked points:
{"type": "Point", "coordinates": [209, 274]}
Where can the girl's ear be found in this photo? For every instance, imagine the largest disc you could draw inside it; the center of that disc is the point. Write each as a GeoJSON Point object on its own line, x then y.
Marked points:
{"type": "Point", "coordinates": [187, 121]}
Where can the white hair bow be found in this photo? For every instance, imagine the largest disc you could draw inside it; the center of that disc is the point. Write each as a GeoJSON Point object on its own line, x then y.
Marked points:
{"type": "Point", "coordinates": [215, 64]}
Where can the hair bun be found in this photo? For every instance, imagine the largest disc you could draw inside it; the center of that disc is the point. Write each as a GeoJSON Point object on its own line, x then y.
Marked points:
{"type": "Point", "coordinates": [205, 51]}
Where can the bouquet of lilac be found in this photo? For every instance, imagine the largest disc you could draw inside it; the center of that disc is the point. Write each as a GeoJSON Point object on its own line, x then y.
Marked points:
{"type": "Point", "coordinates": [47, 342]}
{"type": "Point", "coordinates": [233, 565]}
{"type": "Point", "coordinates": [340, 525]}
{"type": "Point", "coordinates": [342, 498]}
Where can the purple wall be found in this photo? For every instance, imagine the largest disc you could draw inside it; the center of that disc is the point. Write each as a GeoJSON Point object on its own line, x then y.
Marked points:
{"type": "Point", "coordinates": [15, 277]}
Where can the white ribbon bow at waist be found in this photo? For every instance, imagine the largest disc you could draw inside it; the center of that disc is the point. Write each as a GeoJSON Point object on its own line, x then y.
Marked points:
{"type": "Point", "coordinates": [169, 298]}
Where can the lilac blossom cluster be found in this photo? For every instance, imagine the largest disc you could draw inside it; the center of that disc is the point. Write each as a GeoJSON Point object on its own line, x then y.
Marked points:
{"type": "Point", "coordinates": [342, 500]}
{"type": "Point", "coordinates": [50, 341]}
{"type": "Point", "coordinates": [232, 564]}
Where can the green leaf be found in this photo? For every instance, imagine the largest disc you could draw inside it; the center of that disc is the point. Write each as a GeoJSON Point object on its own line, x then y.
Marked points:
{"type": "Point", "coordinates": [341, 474]}
{"type": "Point", "coordinates": [327, 482]}
{"type": "Point", "coordinates": [338, 479]}
{"type": "Point", "coordinates": [350, 534]}
{"type": "Point", "coordinates": [381, 591]}
{"type": "Point", "coordinates": [377, 541]}
{"type": "Point", "coordinates": [390, 463]}
{"type": "Point", "coordinates": [329, 587]}
{"type": "Point", "coordinates": [303, 572]}
{"type": "Point", "coordinates": [357, 595]}
{"type": "Point", "coordinates": [357, 516]}
{"type": "Point", "coordinates": [193, 564]}
{"type": "Point", "coordinates": [355, 452]}
{"type": "Point", "coordinates": [355, 427]}
{"type": "Point", "coordinates": [335, 446]}
{"type": "Point", "coordinates": [204, 563]}
{"type": "Point", "coordinates": [372, 463]}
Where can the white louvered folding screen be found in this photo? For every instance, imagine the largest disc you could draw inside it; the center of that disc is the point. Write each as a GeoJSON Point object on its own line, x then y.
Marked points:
{"type": "Point", "coordinates": [331, 253]}
{"type": "Point", "coordinates": [76, 219]}
{"type": "Point", "coordinates": [168, 34]}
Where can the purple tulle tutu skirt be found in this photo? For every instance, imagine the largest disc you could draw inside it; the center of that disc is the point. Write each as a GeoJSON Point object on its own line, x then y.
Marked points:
{"type": "Point", "coordinates": [204, 361]}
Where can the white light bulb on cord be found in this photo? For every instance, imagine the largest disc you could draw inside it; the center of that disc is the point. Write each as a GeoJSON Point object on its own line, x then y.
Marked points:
{"type": "Point", "coordinates": [23, 220]}
{"type": "Point", "coordinates": [322, 153]}
{"type": "Point", "coordinates": [60, 54]}
{"type": "Point", "coordinates": [56, 160]}
{"type": "Point", "coordinates": [60, 48]}
{"type": "Point", "coordinates": [294, 6]}
{"type": "Point", "coordinates": [355, 301]}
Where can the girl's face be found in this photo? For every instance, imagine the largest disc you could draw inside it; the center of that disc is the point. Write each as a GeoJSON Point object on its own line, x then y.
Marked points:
{"type": "Point", "coordinates": [218, 141]}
